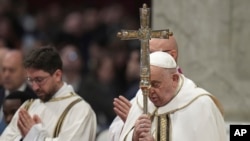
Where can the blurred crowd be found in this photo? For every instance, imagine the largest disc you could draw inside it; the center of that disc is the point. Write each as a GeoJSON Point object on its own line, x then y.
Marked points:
{"type": "Point", "coordinates": [97, 64]}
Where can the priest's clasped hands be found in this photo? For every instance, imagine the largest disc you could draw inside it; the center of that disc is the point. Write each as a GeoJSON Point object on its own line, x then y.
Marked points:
{"type": "Point", "coordinates": [25, 121]}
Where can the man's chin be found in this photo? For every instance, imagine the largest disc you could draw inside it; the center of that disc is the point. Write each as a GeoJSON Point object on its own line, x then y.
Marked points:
{"type": "Point", "coordinates": [42, 98]}
{"type": "Point", "coordinates": [156, 102]}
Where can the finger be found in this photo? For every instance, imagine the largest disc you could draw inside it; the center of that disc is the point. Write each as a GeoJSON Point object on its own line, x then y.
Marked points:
{"type": "Point", "coordinates": [25, 114]}
{"type": "Point", "coordinates": [21, 119]}
{"type": "Point", "coordinates": [144, 116]}
{"type": "Point", "coordinates": [137, 124]}
{"type": "Point", "coordinates": [122, 115]}
{"type": "Point", "coordinates": [125, 100]}
{"type": "Point", "coordinates": [121, 107]}
{"type": "Point", "coordinates": [20, 126]}
{"type": "Point", "coordinates": [37, 119]}
{"type": "Point", "coordinates": [145, 126]}
{"type": "Point", "coordinates": [119, 112]}
{"type": "Point", "coordinates": [144, 134]}
{"type": "Point", "coordinates": [26, 119]}
{"type": "Point", "coordinates": [145, 122]}
{"type": "Point", "coordinates": [120, 103]}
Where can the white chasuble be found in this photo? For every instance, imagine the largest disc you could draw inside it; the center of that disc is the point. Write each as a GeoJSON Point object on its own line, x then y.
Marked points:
{"type": "Point", "coordinates": [78, 123]}
{"type": "Point", "coordinates": [192, 115]}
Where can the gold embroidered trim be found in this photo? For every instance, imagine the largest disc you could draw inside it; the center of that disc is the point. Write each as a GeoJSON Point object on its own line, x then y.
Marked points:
{"type": "Point", "coordinates": [128, 133]}
{"type": "Point", "coordinates": [28, 104]}
{"type": "Point", "coordinates": [163, 127]}
{"type": "Point", "coordinates": [170, 112]}
{"type": "Point", "coordinates": [179, 85]}
{"type": "Point", "coordinates": [61, 98]}
{"type": "Point", "coordinates": [62, 117]}
{"type": "Point", "coordinates": [218, 104]}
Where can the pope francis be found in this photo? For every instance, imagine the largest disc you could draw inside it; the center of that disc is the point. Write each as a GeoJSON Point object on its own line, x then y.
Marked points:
{"type": "Point", "coordinates": [178, 109]}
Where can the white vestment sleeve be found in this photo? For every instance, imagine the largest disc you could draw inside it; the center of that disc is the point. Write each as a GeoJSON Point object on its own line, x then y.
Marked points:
{"type": "Point", "coordinates": [36, 133]}
{"type": "Point", "coordinates": [74, 128]}
{"type": "Point", "coordinates": [79, 123]}
{"type": "Point", "coordinates": [116, 126]}
{"type": "Point", "coordinates": [115, 129]}
{"type": "Point", "coordinates": [11, 133]}
{"type": "Point", "coordinates": [129, 137]}
{"type": "Point", "coordinates": [212, 126]}
{"type": "Point", "coordinates": [201, 121]}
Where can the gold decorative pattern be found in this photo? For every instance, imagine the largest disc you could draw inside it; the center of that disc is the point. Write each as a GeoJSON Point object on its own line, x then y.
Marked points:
{"type": "Point", "coordinates": [62, 117]}
{"type": "Point", "coordinates": [144, 34]}
{"type": "Point", "coordinates": [28, 104]}
{"type": "Point", "coordinates": [61, 98]}
{"type": "Point", "coordinates": [163, 128]}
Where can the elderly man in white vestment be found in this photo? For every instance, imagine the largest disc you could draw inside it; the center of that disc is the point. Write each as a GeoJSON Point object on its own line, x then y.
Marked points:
{"type": "Point", "coordinates": [121, 104]}
{"type": "Point", "coordinates": [59, 114]}
{"type": "Point", "coordinates": [178, 111]}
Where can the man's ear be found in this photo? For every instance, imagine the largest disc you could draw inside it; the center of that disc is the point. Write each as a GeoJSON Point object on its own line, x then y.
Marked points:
{"type": "Point", "coordinates": [175, 78]}
{"type": "Point", "coordinates": [58, 74]}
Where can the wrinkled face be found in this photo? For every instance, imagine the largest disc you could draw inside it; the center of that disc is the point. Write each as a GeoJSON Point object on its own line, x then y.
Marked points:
{"type": "Point", "coordinates": [42, 83]}
{"type": "Point", "coordinates": [10, 106]}
{"type": "Point", "coordinates": [13, 72]}
{"type": "Point", "coordinates": [163, 86]}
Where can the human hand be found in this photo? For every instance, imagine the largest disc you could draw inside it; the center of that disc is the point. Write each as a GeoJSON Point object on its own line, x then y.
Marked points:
{"type": "Point", "coordinates": [25, 121]}
{"type": "Point", "coordinates": [146, 137]}
{"type": "Point", "coordinates": [122, 107]}
{"type": "Point", "coordinates": [142, 129]}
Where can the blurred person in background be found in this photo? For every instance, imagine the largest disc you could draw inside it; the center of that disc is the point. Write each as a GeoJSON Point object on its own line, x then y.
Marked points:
{"type": "Point", "coordinates": [72, 66]}
{"type": "Point", "coordinates": [10, 31]}
{"type": "Point", "coordinates": [99, 90]}
{"type": "Point", "coordinates": [132, 74]}
{"type": "Point", "coordinates": [3, 52]}
{"type": "Point", "coordinates": [13, 77]}
{"type": "Point", "coordinates": [13, 73]}
{"type": "Point", "coordinates": [12, 102]}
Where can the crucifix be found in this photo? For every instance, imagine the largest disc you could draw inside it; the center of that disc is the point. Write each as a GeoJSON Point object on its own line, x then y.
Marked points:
{"type": "Point", "coordinates": [144, 34]}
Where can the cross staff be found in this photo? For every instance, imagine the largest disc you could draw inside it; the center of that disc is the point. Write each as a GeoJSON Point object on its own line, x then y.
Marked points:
{"type": "Point", "coordinates": [144, 34]}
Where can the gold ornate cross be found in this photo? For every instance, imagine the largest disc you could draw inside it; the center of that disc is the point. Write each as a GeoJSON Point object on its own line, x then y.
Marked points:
{"type": "Point", "coordinates": [144, 34]}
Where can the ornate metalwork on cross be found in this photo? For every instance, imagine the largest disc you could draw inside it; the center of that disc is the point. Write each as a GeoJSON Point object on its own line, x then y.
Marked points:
{"type": "Point", "coordinates": [144, 34]}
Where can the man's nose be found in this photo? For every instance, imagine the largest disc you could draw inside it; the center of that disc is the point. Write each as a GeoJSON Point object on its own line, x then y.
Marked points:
{"type": "Point", "coordinates": [151, 91]}
{"type": "Point", "coordinates": [5, 73]}
{"type": "Point", "coordinates": [34, 86]}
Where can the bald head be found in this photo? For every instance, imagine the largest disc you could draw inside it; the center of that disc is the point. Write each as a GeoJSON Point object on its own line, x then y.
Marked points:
{"type": "Point", "coordinates": [166, 45]}
{"type": "Point", "coordinates": [3, 52]}
{"type": "Point", "coordinates": [14, 56]}
{"type": "Point", "coordinates": [13, 72]}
